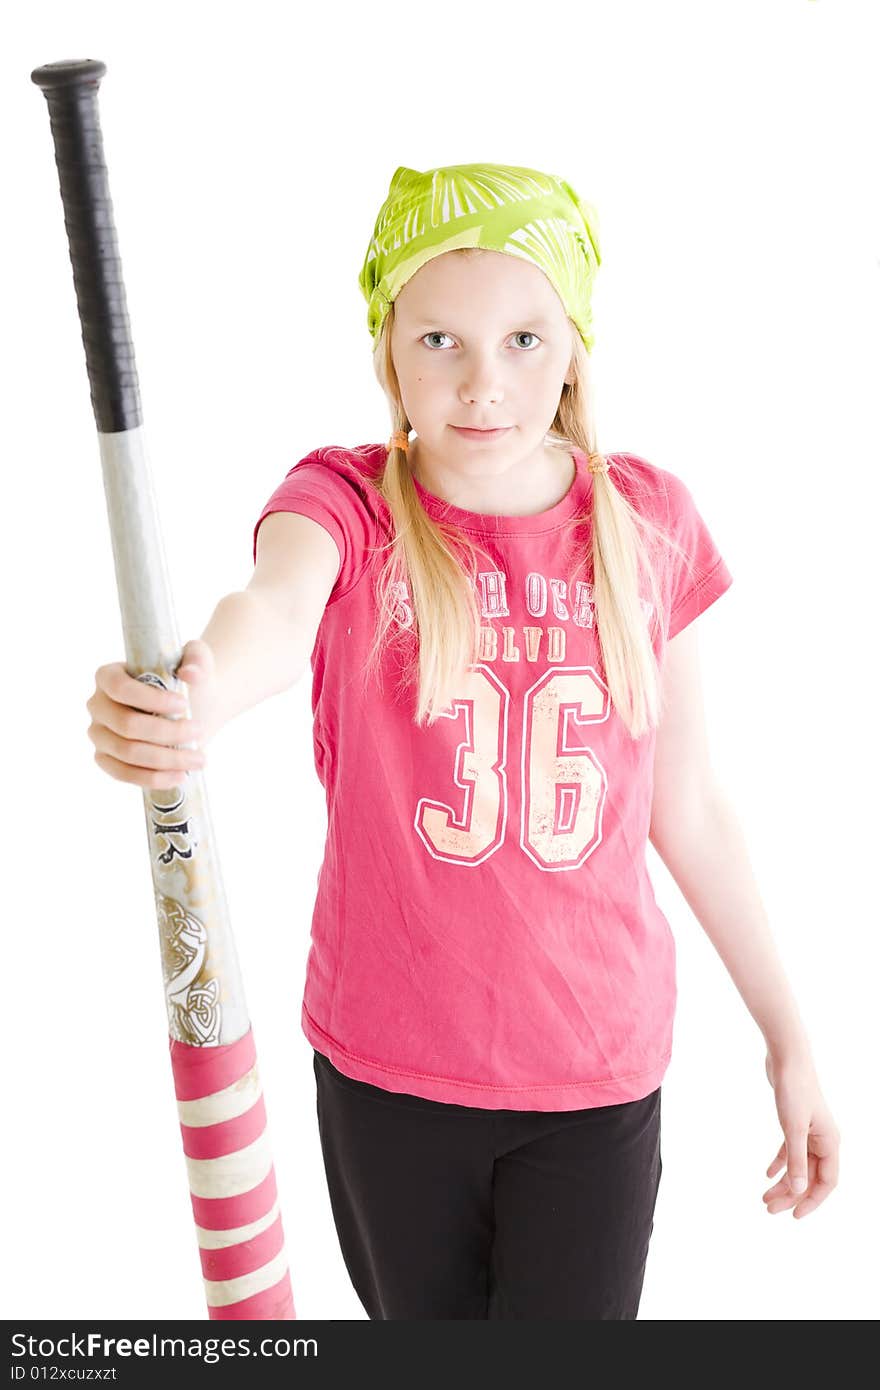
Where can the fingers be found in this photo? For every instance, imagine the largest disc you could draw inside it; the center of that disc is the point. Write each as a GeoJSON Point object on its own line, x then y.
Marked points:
{"type": "Point", "coordinates": [780, 1197]}
{"type": "Point", "coordinates": [823, 1168]}
{"type": "Point", "coordinates": [197, 660]}
{"type": "Point", "coordinates": [814, 1196]}
{"type": "Point", "coordinates": [139, 729]}
{"type": "Point", "coordinates": [778, 1161]}
{"type": "Point", "coordinates": [139, 776]}
{"type": "Point", "coordinates": [114, 682]}
{"type": "Point", "coordinates": [127, 723]}
{"type": "Point", "coordinates": [144, 755]}
{"type": "Point", "coordinates": [796, 1149]}
{"type": "Point", "coordinates": [809, 1202]}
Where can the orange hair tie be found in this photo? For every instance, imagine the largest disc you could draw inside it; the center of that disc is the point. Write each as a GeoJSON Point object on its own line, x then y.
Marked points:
{"type": "Point", "coordinates": [602, 466]}
{"type": "Point", "coordinates": [399, 440]}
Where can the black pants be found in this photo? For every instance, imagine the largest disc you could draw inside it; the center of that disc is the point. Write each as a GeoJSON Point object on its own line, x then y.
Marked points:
{"type": "Point", "coordinates": [449, 1211]}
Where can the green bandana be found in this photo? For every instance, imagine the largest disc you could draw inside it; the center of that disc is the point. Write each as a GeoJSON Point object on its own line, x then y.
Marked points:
{"type": "Point", "coordinates": [498, 207]}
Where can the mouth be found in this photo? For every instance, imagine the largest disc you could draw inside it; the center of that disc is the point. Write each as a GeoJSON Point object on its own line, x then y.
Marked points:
{"type": "Point", "coordinates": [469, 433]}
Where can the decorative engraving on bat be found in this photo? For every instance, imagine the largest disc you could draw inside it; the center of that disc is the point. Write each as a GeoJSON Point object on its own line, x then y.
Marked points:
{"type": "Point", "coordinates": [173, 830]}
{"type": "Point", "coordinates": [192, 998]}
{"type": "Point", "coordinates": [192, 994]}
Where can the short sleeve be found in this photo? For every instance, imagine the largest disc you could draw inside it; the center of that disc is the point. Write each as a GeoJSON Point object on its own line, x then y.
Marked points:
{"type": "Point", "coordinates": [699, 572]}
{"type": "Point", "coordinates": [332, 497]}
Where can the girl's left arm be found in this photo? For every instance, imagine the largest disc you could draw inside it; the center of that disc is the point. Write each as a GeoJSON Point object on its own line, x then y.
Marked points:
{"type": "Point", "coordinates": [696, 833]}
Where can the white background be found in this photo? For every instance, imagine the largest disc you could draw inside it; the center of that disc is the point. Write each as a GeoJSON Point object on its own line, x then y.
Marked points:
{"type": "Point", "coordinates": [732, 152]}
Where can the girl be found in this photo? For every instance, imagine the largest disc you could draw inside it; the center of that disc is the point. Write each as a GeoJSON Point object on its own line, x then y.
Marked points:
{"type": "Point", "coordinates": [506, 705]}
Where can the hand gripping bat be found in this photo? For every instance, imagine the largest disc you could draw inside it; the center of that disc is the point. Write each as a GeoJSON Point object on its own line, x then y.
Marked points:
{"type": "Point", "coordinates": [213, 1058]}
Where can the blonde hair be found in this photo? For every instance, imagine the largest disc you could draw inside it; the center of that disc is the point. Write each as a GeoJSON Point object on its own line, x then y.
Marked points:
{"type": "Point", "coordinates": [437, 564]}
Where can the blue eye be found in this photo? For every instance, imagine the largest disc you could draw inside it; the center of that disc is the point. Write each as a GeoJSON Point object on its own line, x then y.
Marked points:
{"type": "Point", "coordinates": [523, 333]}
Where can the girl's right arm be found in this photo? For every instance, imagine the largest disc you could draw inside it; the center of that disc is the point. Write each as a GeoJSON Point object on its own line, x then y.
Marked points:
{"type": "Point", "coordinates": [257, 643]}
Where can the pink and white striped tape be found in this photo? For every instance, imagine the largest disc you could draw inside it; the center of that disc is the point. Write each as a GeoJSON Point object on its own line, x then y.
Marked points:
{"type": "Point", "coordinates": [232, 1180]}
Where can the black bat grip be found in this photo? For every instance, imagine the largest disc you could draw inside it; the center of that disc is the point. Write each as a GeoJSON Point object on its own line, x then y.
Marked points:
{"type": "Point", "coordinates": [71, 91]}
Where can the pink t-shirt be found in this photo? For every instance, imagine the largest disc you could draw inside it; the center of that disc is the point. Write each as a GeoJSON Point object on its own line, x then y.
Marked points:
{"type": "Point", "coordinates": [485, 930]}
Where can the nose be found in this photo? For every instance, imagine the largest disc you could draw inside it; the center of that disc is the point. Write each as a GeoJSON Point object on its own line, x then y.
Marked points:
{"type": "Point", "coordinates": [481, 384]}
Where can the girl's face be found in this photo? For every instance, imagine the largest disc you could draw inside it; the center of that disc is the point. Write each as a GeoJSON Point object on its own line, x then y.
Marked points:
{"type": "Point", "coordinates": [481, 341]}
